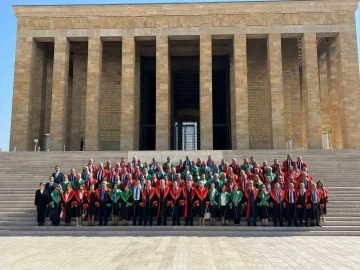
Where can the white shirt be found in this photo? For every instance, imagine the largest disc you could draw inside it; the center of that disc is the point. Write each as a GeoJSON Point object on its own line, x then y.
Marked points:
{"type": "Point", "coordinates": [80, 195]}
{"type": "Point", "coordinates": [223, 199]}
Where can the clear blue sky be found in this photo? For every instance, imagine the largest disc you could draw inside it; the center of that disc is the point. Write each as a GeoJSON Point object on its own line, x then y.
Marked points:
{"type": "Point", "coordinates": [7, 50]}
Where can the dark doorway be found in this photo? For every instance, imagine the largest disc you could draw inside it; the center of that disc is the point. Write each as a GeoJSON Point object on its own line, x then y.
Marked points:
{"type": "Point", "coordinates": [147, 103]}
{"type": "Point", "coordinates": [185, 103]}
{"type": "Point", "coordinates": [221, 103]}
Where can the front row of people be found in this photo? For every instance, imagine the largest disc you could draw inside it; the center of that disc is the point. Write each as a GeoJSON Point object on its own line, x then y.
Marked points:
{"type": "Point", "coordinates": [141, 205]}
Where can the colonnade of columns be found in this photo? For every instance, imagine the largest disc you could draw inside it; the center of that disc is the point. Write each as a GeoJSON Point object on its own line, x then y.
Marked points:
{"type": "Point", "coordinates": [343, 90]}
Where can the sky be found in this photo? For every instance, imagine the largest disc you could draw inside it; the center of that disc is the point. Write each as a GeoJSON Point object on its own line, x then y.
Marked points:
{"type": "Point", "coordinates": [7, 50]}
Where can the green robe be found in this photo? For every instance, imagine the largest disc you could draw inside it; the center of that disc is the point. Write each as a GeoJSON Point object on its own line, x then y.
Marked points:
{"type": "Point", "coordinates": [193, 170]}
{"type": "Point", "coordinates": [227, 195]}
{"type": "Point", "coordinates": [112, 198]}
{"type": "Point", "coordinates": [236, 197]}
{"type": "Point", "coordinates": [147, 176]}
{"type": "Point", "coordinates": [76, 184]}
{"type": "Point", "coordinates": [272, 176]}
{"type": "Point", "coordinates": [125, 196]}
{"type": "Point", "coordinates": [243, 167]}
{"type": "Point", "coordinates": [168, 163]}
{"type": "Point", "coordinates": [56, 198]}
{"type": "Point", "coordinates": [213, 196]}
{"type": "Point", "coordinates": [263, 198]}
{"type": "Point", "coordinates": [64, 184]}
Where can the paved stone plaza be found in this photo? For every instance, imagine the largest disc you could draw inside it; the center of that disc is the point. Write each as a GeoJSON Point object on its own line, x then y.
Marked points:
{"type": "Point", "coordinates": [179, 253]}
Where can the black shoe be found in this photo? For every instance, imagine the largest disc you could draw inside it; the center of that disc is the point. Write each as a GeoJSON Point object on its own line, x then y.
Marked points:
{"type": "Point", "coordinates": [318, 225]}
{"type": "Point", "coordinates": [39, 224]}
{"type": "Point", "coordinates": [186, 224]}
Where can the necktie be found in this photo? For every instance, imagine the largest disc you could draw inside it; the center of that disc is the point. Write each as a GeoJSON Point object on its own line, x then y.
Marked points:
{"type": "Point", "coordinates": [175, 191]}
{"type": "Point", "coordinates": [137, 193]}
{"type": "Point", "coordinates": [278, 196]}
{"type": "Point", "coordinates": [315, 198]}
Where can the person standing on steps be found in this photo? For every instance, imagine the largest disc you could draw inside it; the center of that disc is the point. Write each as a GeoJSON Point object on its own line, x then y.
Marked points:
{"type": "Point", "coordinates": [58, 176]}
{"type": "Point", "coordinates": [41, 203]}
{"type": "Point", "coordinates": [251, 194]}
{"type": "Point", "coordinates": [55, 206]}
{"type": "Point", "coordinates": [277, 204]}
{"type": "Point", "coordinates": [50, 187]}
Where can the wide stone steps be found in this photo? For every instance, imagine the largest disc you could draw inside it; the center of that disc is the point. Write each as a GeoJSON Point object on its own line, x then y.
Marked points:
{"type": "Point", "coordinates": [21, 172]}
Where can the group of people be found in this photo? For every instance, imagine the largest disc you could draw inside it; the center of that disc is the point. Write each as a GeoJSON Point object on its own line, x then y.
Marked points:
{"type": "Point", "coordinates": [141, 193]}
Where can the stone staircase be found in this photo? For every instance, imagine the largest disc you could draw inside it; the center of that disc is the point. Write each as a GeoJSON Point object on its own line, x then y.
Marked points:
{"type": "Point", "coordinates": [21, 172]}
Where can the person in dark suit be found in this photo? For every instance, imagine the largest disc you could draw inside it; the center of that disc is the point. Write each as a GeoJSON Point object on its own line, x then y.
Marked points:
{"type": "Point", "coordinates": [58, 176]}
{"type": "Point", "coordinates": [50, 188]}
{"type": "Point", "coordinates": [41, 203]}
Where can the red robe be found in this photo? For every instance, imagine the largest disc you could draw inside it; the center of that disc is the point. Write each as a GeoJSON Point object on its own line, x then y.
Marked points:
{"type": "Point", "coordinates": [185, 199]}
{"type": "Point", "coordinates": [98, 194]}
{"type": "Point", "coordinates": [88, 183]}
{"type": "Point", "coordinates": [158, 194]}
{"type": "Point", "coordinates": [111, 176]}
{"type": "Point", "coordinates": [104, 173]}
{"type": "Point", "coordinates": [94, 168]}
{"type": "Point", "coordinates": [69, 199]}
{"type": "Point", "coordinates": [274, 197]}
{"type": "Point", "coordinates": [246, 193]}
{"type": "Point", "coordinates": [124, 183]}
{"type": "Point", "coordinates": [287, 195]}
{"type": "Point", "coordinates": [286, 166]}
{"type": "Point", "coordinates": [201, 193]}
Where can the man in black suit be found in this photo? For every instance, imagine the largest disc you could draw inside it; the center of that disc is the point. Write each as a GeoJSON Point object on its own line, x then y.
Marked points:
{"type": "Point", "coordinates": [41, 203]}
{"type": "Point", "coordinates": [58, 176]}
{"type": "Point", "coordinates": [50, 188]}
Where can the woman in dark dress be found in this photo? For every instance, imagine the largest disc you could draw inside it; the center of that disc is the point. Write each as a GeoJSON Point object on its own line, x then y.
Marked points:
{"type": "Point", "coordinates": [236, 197]}
{"type": "Point", "coordinates": [41, 203]}
{"type": "Point", "coordinates": [126, 205]}
{"type": "Point", "coordinates": [91, 205]}
{"type": "Point", "coordinates": [114, 195]}
{"type": "Point", "coordinates": [67, 206]}
{"type": "Point", "coordinates": [201, 194]}
{"type": "Point", "coordinates": [263, 204]}
{"type": "Point", "coordinates": [324, 199]}
{"type": "Point", "coordinates": [55, 206]}
{"type": "Point", "coordinates": [224, 197]}
{"type": "Point", "coordinates": [79, 206]}
{"type": "Point", "coordinates": [214, 204]}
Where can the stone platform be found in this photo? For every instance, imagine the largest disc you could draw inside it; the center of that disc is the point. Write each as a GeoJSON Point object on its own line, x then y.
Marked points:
{"type": "Point", "coordinates": [207, 253]}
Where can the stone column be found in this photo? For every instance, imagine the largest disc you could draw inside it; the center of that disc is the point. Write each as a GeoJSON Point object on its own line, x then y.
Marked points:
{"type": "Point", "coordinates": [93, 94]}
{"type": "Point", "coordinates": [349, 87]}
{"type": "Point", "coordinates": [206, 112]}
{"type": "Point", "coordinates": [324, 94]}
{"type": "Point", "coordinates": [162, 94]}
{"type": "Point", "coordinates": [78, 101]}
{"type": "Point", "coordinates": [274, 55]}
{"type": "Point", "coordinates": [239, 111]}
{"type": "Point", "coordinates": [127, 108]}
{"type": "Point", "coordinates": [59, 94]}
{"type": "Point", "coordinates": [334, 103]}
{"type": "Point", "coordinates": [311, 91]}
{"type": "Point", "coordinates": [20, 136]}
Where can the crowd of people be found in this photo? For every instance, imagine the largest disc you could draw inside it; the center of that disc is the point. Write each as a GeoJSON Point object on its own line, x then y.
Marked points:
{"type": "Point", "coordinates": [146, 193]}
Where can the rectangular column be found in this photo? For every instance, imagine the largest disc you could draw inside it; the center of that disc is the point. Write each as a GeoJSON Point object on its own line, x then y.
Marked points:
{"type": "Point", "coordinates": [20, 136]}
{"type": "Point", "coordinates": [349, 87]}
{"type": "Point", "coordinates": [334, 103]}
{"type": "Point", "coordinates": [206, 112]}
{"type": "Point", "coordinates": [274, 55]}
{"type": "Point", "coordinates": [93, 94]}
{"type": "Point", "coordinates": [311, 91]}
{"type": "Point", "coordinates": [239, 111]}
{"type": "Point", "coordinates": [78, 101]}
{"type": "Point", "coordinates": [59, 94]}
{"type": "Point", "coordinates": [127, 107]}
{"type": "Point", "coordinates": [162, 94]}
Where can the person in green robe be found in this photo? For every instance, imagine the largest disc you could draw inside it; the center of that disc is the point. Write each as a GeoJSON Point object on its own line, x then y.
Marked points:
{"type": "Point", "coordinates": [126, 205]}
{"type": "Point", "coordinates": [167, 164]}
{"type": "Point", "coordinates": [64, 184]}
{"type": "Point", "coordinates": [270, 173]}
{"type": "Point", "coordinates": [218, 182]}
{"type": "Point", "coordinates": [185, 174]}
{"type": "Point", "coordinates": [146, 174]}
{"type": "Point", "coordinates": [55, 206]}
{"type": "Point", "coordinates": [115, 195]}
{"type": "Point", "coordinates": [117, 181]}
{"type": "Point", "coordinates": [263, 204]}
{"type": "Point", "coordinates": [224, 198]}
{"type": "Point", "coordinates": [236, 204]}
{"type": "Point", "coordinates": [223, 178]}
{"type": "Point", "coordinates": [209, 177]}
{"type": "Point", "coordinates": [197, 178]}
{"type": "Point", "coordinates": [194, 169]}
{"type": "Point", "coordinates": [214, 203]}
{"type": "Point", "coordinates": [75, 185]}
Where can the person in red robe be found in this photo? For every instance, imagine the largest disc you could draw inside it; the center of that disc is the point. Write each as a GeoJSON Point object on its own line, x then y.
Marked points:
{"type": "Point", "coordinates": [67, 198]}
{"type": "Point", "coordinates": [162, 193]}
{"type": "Point", "coordinates": [102, 194]}
{"type": "Point", "coordinates": [91, 166]}
{"type": "Point", "coordinates": [202, 202]}
{"type": "Point", "coordinates": [290, 198]}
{"type": "Point", "coordinates": [300, 163]}
{"type": "Point", "coordinates": [188, 203]}
{"type": "Point", "coordinates": [251, 194]}
{"type": "Point", "coordinates": [277, 202]}
{"type": "Point", "coordinates": [313, 205]}
{"type": "Point", "coordinates": [324, 199]}
{"type": "Point", "coordinates": [287, 163]}
{"type": "Point", "coordinates": [149, 197]}
{"type": "Point", "coordinates": [301, 211]}
{"type": "Point", "coordinates": [174, 203]}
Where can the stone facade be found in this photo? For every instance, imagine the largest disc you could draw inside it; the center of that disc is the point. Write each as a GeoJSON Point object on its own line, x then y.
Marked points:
{"type": "Point", "coordinates": [293, 73]}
